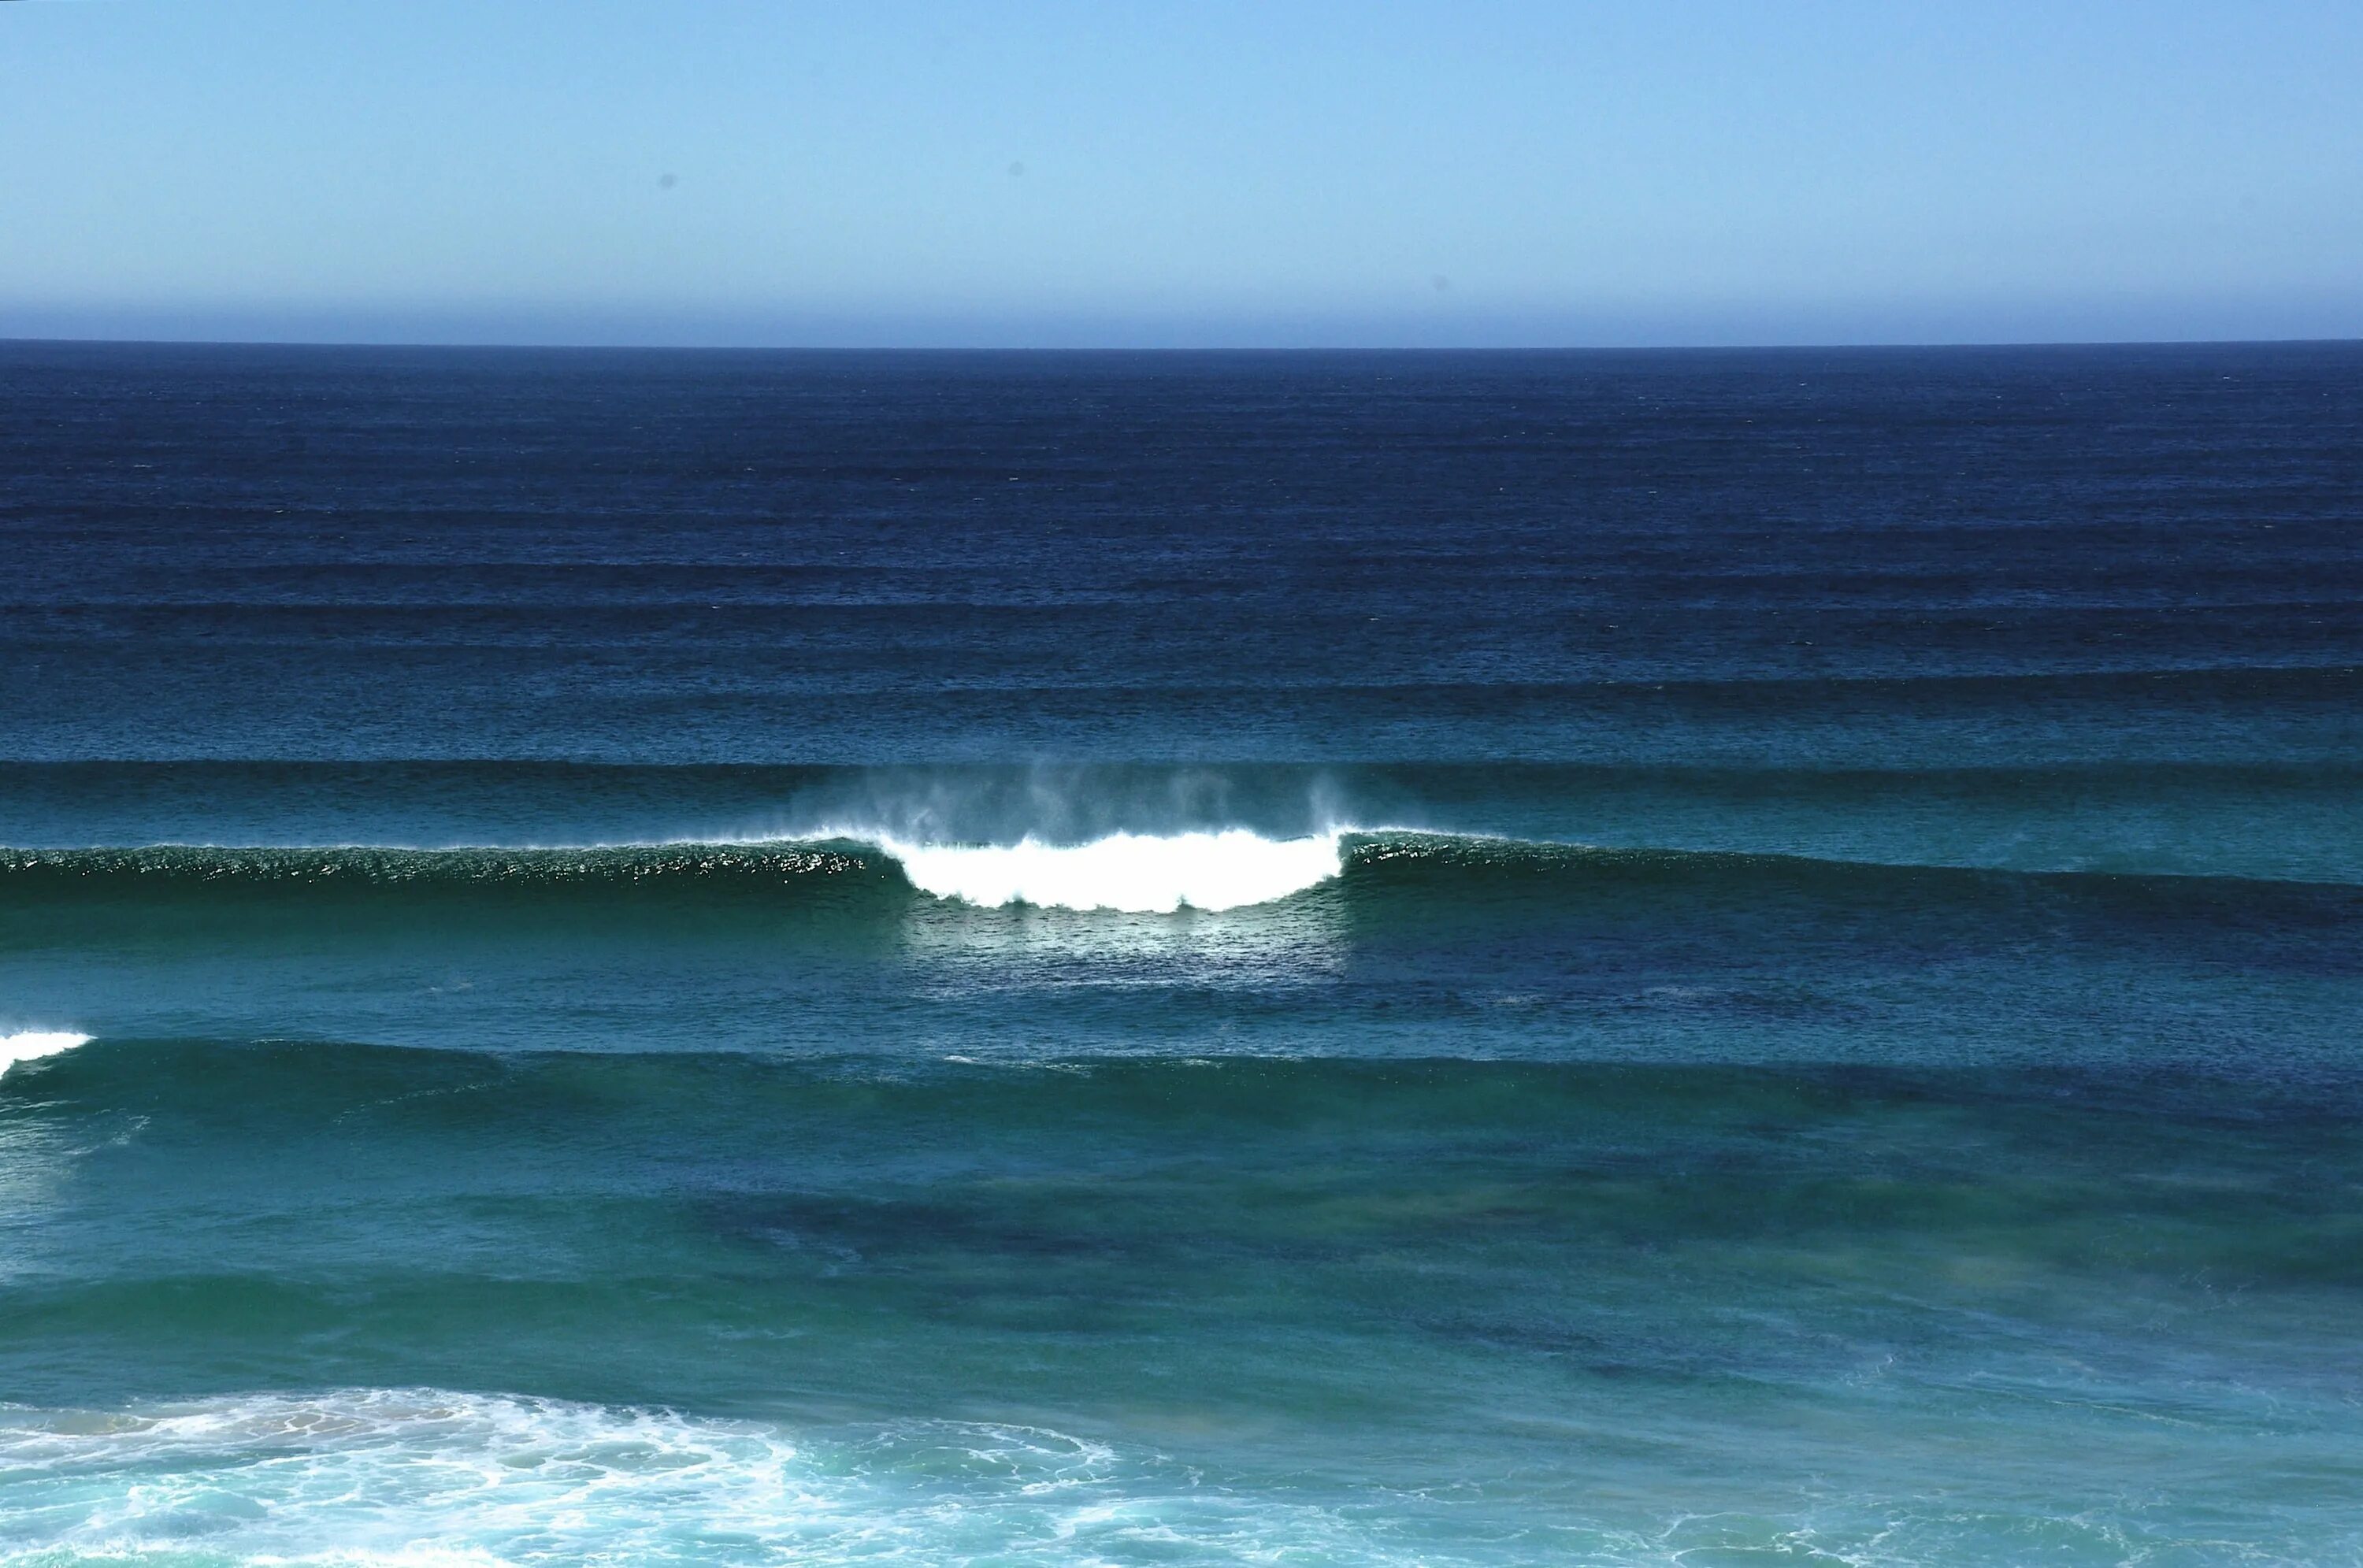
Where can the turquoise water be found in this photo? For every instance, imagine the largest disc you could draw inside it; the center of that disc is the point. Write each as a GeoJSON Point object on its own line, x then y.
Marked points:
{"type": "Point", "coordinates": [1218, 1309]}
{"type": "Point", "coordinates": [1457, 960]}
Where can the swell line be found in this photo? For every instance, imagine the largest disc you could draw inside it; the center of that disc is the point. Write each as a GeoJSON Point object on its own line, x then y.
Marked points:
{"type": "Point", "coordinates": [1136, 873]}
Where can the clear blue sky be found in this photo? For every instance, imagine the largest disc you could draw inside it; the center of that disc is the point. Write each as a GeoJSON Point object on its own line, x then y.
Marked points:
{"type": "Point", "coordinates": [1504, 172]}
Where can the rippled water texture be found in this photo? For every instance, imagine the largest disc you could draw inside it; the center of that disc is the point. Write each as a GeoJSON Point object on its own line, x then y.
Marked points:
{"type": "Point", "coordinates": [1475, 959]}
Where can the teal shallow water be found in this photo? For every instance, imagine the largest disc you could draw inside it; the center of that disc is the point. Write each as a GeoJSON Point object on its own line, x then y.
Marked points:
{"type": "Point", "coordinates": [1213, 1310]}
{"type": "Point", "coordinates": [1481, 1201]}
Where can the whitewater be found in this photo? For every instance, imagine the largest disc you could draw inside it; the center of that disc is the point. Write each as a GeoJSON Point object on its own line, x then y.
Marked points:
{"type": "Point", "coordinates": [35, 1045]}
{"type": "Point", "coordinates": [1136, 873]}
{"type": "Point", "coordinates": [432, 1476]}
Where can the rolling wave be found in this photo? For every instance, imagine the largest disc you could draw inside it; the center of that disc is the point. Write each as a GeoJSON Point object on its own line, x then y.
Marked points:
{"type": "Point", "coordinates": [2273, 821]}
{"type": "Point", "coordinates": [33, 1044]}
{"type": "Point", "coordinates": [1130, 873]}
{"type": "Point", "coordinates": [1136, 873]}
{"type": "Point", "coordinates": [1123, 872]}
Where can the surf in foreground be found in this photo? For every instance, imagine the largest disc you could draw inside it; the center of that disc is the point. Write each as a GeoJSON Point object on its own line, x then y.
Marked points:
{"type": "Point", "coordinates": [1075, 1311]}
{"type": "Point", "coordinates": [420, 1475]}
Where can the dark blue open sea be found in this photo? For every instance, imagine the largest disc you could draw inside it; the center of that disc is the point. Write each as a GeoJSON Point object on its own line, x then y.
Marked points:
{"type": "Point", "coordinates": [1684, 958]}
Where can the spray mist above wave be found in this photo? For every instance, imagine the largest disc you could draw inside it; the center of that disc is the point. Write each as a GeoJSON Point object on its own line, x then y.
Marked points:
{"type": "Point", "coordinates": [33, 1044]}
{"type": "Point", "coordinates": [1133, 873]}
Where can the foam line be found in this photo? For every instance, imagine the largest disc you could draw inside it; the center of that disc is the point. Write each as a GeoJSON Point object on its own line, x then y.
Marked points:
{"type": "Point", "coordinates": [427, 1478]}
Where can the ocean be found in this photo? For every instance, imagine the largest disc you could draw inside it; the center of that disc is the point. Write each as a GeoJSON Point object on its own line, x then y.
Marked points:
{"type": "Point", "coordinates": [1694, 958]}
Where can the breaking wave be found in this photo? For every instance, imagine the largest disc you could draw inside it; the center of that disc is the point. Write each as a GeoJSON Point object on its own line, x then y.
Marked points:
{"type": "Point", "coordinates": [1138, 873]}
{"type": "Point", "coordinates": [32, 1044]}
{"type": "Point", "coordinates": [1123, 872]}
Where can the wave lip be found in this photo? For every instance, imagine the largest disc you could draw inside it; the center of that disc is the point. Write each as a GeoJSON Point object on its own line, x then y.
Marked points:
{"type": "Point", "coordinates": [1133, 873]}
{"type": "Point", "coordinates": [32, 1044]}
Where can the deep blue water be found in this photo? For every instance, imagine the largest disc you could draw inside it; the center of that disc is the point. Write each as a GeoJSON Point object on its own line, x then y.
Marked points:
{"type": "Point", "coordinates": [1688, 958]}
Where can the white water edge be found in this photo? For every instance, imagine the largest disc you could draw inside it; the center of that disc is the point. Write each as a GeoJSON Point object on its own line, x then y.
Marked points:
{"type": "Point", "coordinates": [428, 1477]}
{"type": "Point", "coordinates": [33, 1044]}
{"type": "Point", "coordinates": [1134, 873]}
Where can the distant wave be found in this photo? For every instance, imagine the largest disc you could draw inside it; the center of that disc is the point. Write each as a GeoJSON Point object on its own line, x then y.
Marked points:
{"type": "Point", "coordinates": [1136, 873]}
{"type": "Point", "coordinates": [2290, 822]}
{"type": "Point", "coordinates": [32, 1044]}
{"type": "Point", "coordinates": [1123, 872]}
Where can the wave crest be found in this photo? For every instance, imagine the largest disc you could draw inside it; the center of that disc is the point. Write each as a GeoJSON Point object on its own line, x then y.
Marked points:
{"type": "Point", "coordinates": [32, 1044]}
{"type": "Point", "coordinates": [1136, 873]}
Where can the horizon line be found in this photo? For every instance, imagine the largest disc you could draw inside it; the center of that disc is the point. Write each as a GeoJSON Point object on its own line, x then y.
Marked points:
{"type": "Point", "coordinates": [1868, 344]}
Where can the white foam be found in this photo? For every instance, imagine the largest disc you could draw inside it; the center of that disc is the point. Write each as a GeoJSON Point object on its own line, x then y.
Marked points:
{"type": "Point", "coordinates": [1140, 873]}
{"type": "Point", "coordinates": [423, 1478]}
{"type": "Point", "coordinates": [32, 1044]}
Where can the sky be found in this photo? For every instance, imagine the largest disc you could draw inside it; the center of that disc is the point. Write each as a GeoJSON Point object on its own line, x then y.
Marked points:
{"type": "Point", "coordinates": [1485, 172]}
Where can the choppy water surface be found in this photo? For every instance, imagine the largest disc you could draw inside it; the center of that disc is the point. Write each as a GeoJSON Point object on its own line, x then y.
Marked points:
{"type": "Point", "coordinates": [1179, 959]}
